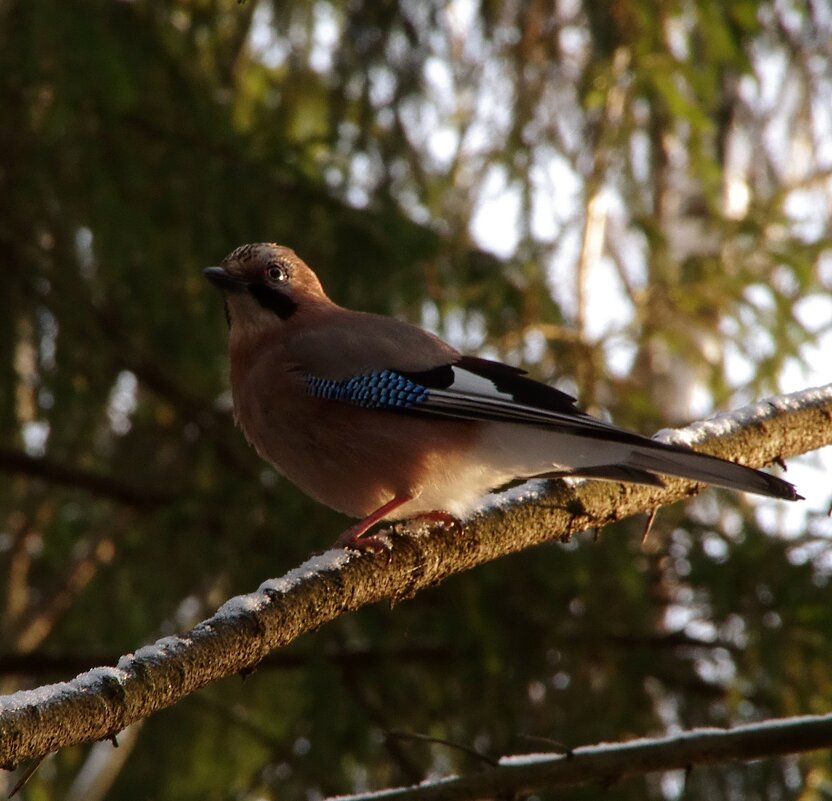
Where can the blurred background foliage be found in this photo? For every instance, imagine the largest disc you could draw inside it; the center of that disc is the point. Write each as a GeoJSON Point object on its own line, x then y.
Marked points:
{"type": "Point", "coordinates": [631, 197]}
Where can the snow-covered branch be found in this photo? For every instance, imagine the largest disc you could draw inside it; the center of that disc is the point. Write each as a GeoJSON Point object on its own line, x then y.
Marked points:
{"type": "Point", "coordinates": [101, 702]}
{"type": "Point", "coordinates": [609, 762]}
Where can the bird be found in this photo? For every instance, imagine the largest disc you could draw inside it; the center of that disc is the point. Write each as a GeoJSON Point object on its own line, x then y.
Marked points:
{"type": "Point", "coordinates": [384, 421]}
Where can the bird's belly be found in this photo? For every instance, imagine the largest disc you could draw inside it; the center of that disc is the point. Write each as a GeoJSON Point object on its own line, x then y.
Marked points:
{"type": "Point", "coordinates": [355, 460]}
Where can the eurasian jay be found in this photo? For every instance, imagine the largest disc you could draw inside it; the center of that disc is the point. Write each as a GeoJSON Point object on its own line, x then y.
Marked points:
{"type": "Point", "coordinates": [381, 420]}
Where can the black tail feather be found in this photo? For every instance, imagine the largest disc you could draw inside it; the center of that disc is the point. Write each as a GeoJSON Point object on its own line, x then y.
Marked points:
{"type": "Point", "coordinates": [673, 460]}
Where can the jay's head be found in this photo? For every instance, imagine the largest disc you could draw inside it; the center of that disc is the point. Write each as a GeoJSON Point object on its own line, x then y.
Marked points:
{"type": "Point", "coordinates": [264, 285]}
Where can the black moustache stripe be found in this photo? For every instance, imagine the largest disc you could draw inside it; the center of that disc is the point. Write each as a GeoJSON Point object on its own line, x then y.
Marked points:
{"type": "Point", "coordinates": [273, 300]}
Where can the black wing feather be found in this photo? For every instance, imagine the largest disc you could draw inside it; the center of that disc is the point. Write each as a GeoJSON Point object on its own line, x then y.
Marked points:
{"type": "Point", "coordinates": [527, 401]}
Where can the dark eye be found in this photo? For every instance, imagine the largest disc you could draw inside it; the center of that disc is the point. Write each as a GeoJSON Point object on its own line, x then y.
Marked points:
{"type": "Point", "coordinates": [276, 274]}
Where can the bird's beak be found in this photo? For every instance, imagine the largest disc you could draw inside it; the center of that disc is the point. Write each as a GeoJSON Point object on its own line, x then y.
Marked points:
{"type": "Point", "coordinates": [223, 280]}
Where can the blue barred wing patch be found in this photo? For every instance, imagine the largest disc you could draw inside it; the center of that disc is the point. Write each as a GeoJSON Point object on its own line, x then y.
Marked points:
{"type": "Point", "coordinates": [385, 389]}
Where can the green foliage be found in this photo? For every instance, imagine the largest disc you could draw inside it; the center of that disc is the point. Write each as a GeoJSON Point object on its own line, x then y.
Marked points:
{"type": "Point", "coordinates": [142, 141]}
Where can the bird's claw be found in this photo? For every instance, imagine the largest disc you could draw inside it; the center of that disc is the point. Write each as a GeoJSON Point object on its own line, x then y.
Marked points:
{"type": "Point", "coordinates": [354, 540]}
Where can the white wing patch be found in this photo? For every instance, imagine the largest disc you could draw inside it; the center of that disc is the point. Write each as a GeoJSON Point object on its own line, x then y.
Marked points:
{"type": "Point", "coordinates": [470, 383]}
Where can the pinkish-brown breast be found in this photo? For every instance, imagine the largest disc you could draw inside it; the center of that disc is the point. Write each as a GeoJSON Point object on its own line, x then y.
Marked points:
{"type": "Point", "coordinates": [347, 457]}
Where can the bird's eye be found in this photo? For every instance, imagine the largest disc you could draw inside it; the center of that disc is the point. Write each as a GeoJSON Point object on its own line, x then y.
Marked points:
{"type": "Point", "coordinates": [276, 274]}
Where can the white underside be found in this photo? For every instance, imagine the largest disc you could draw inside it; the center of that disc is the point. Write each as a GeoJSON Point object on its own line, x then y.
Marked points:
{"type": "Point", "coordinates": [506, 453]}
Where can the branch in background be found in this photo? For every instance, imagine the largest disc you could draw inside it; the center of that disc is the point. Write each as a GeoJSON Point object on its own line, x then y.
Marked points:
{"type": "Point", "coordinates": [102, 702]}
{"type": "Point", "coordinates": [516, 776]}
{"type": "Point", "coordinates": [102, 766]}
{"type": "Point", "coordinates": [16, 461]}
{"type": "Point", "coordinates": [39, 663]}
{"type": "Point", "coordinates": [46, 663]}
{"type": "Point", "coordinates": [35, 627]}
{"type": "Point", "coordinates": [377, 710]}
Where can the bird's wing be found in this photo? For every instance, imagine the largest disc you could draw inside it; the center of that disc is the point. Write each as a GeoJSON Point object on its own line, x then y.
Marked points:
{"type": "Point", "coordinates": [467, 388]}
{"type": "Point", "coordinates": [470, 388]}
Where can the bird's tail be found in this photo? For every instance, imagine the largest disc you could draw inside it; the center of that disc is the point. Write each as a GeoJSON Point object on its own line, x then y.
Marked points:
{"type": "Point", "coordinates": [672, 460]}
{"type": "Point", "coordinates": [534, 452]}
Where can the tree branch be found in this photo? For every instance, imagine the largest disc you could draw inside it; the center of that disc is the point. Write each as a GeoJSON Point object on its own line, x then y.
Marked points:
{"type": "Point", "coordinates": [103, 701]}
{"type": "Point", "coordinates": [531, 773]}
{"type": "Point", "coordinates": [16, 461]}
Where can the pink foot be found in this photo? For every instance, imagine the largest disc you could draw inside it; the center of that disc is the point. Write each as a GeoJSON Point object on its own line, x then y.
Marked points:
{"type": "Point", "coordinates": [354, 537]}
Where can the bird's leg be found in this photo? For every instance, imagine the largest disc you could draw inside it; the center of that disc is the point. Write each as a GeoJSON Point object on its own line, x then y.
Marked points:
{"type": "Point", "coordinates": [353, 536]}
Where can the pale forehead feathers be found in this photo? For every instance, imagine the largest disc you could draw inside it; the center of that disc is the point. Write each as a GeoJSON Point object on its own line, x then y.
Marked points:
{"type": "Point", "coordinates": [259, 254]}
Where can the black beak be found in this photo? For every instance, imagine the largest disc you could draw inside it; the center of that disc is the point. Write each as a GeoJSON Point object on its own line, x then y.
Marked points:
{"type": "Point", "coordinates": [222, 280]}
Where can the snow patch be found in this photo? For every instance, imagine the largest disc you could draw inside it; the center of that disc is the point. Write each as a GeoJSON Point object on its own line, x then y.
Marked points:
{"type": "Point", "coordinates": [331, 560]}
{"type": "Point", "coordinates": [90, 681]}
{"type": "Point", "coordinates": [527, 492]}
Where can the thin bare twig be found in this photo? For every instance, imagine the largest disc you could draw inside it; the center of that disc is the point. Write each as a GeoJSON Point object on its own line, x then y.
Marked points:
{"type": "Point", "coordinates": [427, 738]}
